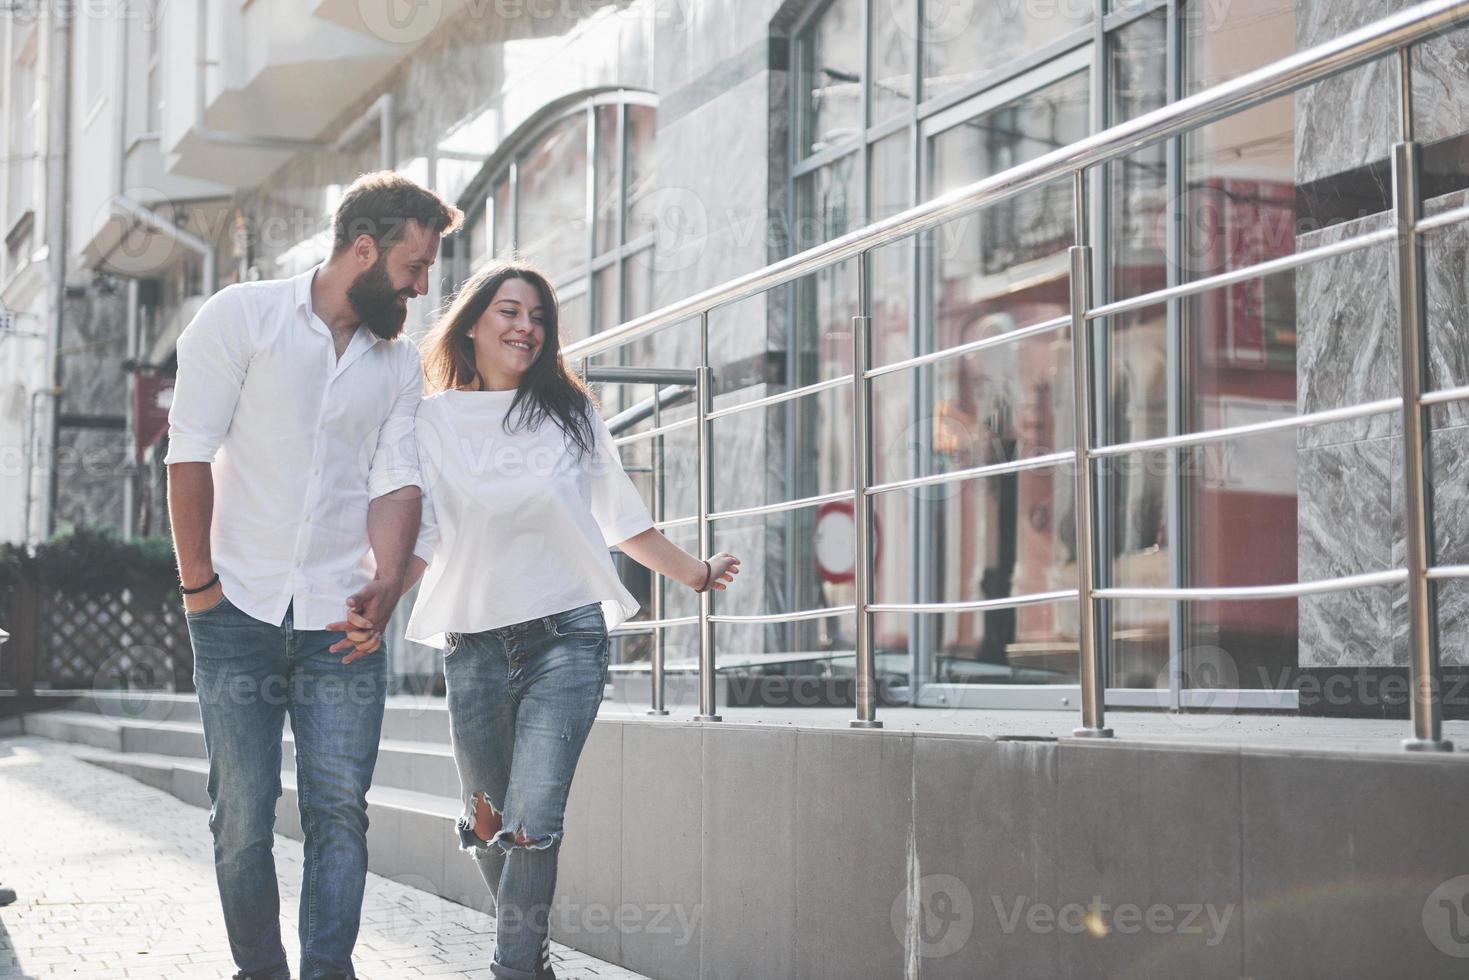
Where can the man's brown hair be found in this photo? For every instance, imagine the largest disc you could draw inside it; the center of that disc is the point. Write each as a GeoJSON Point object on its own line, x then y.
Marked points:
{"type": "Point", "coordinates": [381, 204]}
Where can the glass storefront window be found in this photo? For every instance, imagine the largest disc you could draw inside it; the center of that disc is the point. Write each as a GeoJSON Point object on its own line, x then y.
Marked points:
{"type": "Point", "coordinates": [538, 208]}
{"type": "Point", "coordinates": [607, 202]}
{"type": "Point", "coordinates": [963, 41]}
{"type": "Point", "coordinates": [1275, 180]}
{"type": "Point", "coordinates": [552, 228]}
{"type": "Point", "coordinates": [642, 127]}
{"type": "Point", "coordinates": [504, 218]}
{"type": "Point", "coordinates": [894, 23]}
{"type": "Point", "coordinates": [830, 56]}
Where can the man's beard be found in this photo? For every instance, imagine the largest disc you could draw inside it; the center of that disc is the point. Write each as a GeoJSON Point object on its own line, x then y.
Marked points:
{"type": "Point", "coordinates": [376, 302]}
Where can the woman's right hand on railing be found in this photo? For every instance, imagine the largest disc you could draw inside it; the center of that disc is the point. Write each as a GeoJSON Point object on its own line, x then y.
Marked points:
{"type": "Point", "coordinates": [722, 568]}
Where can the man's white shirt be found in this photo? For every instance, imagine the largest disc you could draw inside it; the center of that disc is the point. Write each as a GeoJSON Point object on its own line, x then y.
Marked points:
{"type": "Point", "coordinates": [300, 440]}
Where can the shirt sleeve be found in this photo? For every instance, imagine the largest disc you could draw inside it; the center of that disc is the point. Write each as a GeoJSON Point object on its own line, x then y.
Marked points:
{"type": "Point", "coordinates": [213, 357]}
{"type": "Point", "coordinates": [395, 460]}
{"type": "Point", "coordinates": [428, 531]}
{"type": "Point", "coordinates": [424, 431]}
{"type": "Point", "coordinates": [616, 506]}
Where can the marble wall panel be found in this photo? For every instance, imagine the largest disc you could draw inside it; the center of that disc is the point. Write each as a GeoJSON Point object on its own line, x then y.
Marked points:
{"type": "Point", "coordinates": [1351, 120]}
{"type": "Point", "coordinates": [1350, 492]}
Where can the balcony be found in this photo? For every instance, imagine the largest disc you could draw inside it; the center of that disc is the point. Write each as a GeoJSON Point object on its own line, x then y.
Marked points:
{"type": "Point", "coordinates": [400, 22]}
{"type": "Point", "coordinates": [274, 77]}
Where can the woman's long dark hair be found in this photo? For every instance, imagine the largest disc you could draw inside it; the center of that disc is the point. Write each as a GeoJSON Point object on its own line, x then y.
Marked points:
{"type": "Point", "coordinates": [546, 390]}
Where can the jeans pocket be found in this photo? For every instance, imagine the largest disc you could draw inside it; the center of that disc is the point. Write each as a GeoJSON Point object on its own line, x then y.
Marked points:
{"type": "Point", "coordinates": [582, 621]}
{"type": "Point", "coordinates": [221, 604]}
{"type": "Point", "coordinates": [451, 644]}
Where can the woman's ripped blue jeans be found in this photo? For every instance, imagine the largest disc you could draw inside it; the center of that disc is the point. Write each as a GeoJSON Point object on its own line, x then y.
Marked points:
{"type": "Point", "coordinates": [522, 699]}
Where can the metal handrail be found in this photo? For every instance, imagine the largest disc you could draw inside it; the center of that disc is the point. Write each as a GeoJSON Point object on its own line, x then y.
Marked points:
{"type": "Point", "coordinates": [825, 612]}
{"type": "Point", "coordinates": [959, 350]}
{"type": "Point", "coordinates": [974, 605]}
{"type": "Point", "coordinates": [1297, 71]}
{"type": "Point", "coordinates": [1245, 273]}
{"type": "Point", "coordinates": [780, 506]}
{"type": "Point", "coordinates": [1344, 414]}
{"type": "Point", "coordinates": [1282, 590]}
{"type": "Point", "coordinates": [1393, 34]}
{"type": "Point", "coordinates": [784, 396]}
{"type": "Point", "coordinates": [655, 432]}
{"type": "Point", "coordinates": [974, 472]}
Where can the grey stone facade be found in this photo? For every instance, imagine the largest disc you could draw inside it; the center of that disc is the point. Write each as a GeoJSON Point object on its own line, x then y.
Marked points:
{"type": "Point", "coordinates": [1349, 505]}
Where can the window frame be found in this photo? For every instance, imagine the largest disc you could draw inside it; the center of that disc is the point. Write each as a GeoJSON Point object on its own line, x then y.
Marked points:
{"type": "Point", "coordinates": [504, 164]}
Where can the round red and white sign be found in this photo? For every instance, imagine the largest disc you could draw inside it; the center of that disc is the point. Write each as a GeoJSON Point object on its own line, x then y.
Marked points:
{"type": "Point", "coordinates": [836, 541]}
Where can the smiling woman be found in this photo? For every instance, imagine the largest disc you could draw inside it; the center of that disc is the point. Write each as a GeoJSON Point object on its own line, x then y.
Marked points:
{"type": "Point", "coordinates": [523, 495]}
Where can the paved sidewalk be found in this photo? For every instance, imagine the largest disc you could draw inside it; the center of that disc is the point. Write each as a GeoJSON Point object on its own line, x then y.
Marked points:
{"type": "Point", "coordinates": [116, 880]}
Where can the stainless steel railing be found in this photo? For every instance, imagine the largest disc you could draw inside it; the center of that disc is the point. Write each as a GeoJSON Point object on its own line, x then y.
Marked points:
{"type": "Point", "coordinates": [1395, 34]}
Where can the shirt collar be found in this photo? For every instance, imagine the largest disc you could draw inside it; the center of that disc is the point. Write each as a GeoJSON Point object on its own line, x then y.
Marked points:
{"type": "Point", "coordinates": [302, 285]}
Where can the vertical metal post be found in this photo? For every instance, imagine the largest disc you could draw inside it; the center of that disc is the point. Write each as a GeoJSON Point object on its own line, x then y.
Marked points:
{"type": "Point", "coordinates": [1425, 706]}
{"type": "Point", "coordinates": [658, 654]}
{"type": "Point", "coordinates": [866, 688]}
{"type": "Point", "coordinates": [1093, 683]}
{"type": "Point", "coordinates": [704, 396]}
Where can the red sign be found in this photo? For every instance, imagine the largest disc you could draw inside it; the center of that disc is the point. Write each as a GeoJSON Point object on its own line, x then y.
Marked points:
{"type": "Point", "coordinates": [1244, 222]}
{"type": "Point", "coordinates": [152, 396]}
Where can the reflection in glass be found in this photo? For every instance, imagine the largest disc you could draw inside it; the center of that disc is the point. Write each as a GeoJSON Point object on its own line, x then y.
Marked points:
{"type": "Point", "coordinates": [477, 233]}
{"type": "Point", "coordinates": [831, 52]}
{"type": "Point", "coordinates": [1137, 644]}
{"type": "Point", "coordinates": [553, 194]}
{"type": "Point", "coordinates": [892, 31]}
{"type": "Point", "coordinates": [502, 218]}
{"type": "Point", "coordinates": [828, 203]}
{"type": "Point", "coordinates": [573, 316]}
{"type": "Point", "coordinates": [891, 268]}
{"type": "Point", "coordinates": [1009, 258]}
{"type": "Point", "coordinates": [642, 126]}
{"type": "Point", "coordinates": [1137, 184]}
{"type": "Point", "coordinates": [963, 41]}
{"type": "Point", "coordinates": [607, 201]}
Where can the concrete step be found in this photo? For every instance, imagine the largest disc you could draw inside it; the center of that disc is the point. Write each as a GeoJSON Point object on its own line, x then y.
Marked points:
{"type": "Point", "coordinates": [420, 767]}
{"type": "Point", "coordinates": [77, 727]}
{"type": "Point", "coordinates": [406, 717]}
{"type": "Point", "coordinates": [411, 836]}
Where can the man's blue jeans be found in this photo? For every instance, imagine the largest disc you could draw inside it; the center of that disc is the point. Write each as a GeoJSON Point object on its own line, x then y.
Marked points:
{"type": "Point", "coordinates": [522, 699]}
{"type": "Point", "coordinates": [249, 676]}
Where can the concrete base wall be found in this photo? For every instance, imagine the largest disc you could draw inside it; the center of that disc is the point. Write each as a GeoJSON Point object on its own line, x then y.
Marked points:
{"type": "Point", "coordinates": [777, 851]}
{"type": "Point", "coordinates": [745, 851]}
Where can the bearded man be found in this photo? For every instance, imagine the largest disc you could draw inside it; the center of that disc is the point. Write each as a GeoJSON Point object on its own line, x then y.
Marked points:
{"type": "Point", "coordinates": [293, 491]}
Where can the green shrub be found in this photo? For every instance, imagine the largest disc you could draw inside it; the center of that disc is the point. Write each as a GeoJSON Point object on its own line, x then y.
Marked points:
{"type": "Point", "coordinates": [93, 561]}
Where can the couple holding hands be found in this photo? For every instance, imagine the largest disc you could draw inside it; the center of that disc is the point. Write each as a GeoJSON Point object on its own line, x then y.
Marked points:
{"type": "Point", "coordinates": [319, 465]}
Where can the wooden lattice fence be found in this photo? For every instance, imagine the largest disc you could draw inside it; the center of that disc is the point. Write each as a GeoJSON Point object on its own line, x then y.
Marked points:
{"type": "Point", "coordinates": [109, 641]}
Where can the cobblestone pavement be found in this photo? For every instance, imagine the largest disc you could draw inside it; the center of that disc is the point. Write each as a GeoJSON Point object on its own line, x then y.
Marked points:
{"type": "Point", "coordinates": [116, 880]}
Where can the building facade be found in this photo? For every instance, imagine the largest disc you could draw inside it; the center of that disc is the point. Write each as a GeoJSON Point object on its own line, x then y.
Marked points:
{"type": "Point", "coordinates": [642, 151]}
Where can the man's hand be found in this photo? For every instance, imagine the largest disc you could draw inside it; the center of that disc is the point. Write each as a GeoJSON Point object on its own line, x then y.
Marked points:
{"type": "Point", "coordinates": [368, 612]}
{"type": "Point", "coordinates": [376, 601]}
{"type": "Point", "coordinates": [199, 601]}
{"type": "Point", "coordinates": [362, 637]}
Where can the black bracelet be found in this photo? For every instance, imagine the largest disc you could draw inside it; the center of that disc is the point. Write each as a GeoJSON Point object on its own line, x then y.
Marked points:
{"type": "Point", "coordinates": [708, 574]}
{"type": "Point", "coordinates": [203, 588]}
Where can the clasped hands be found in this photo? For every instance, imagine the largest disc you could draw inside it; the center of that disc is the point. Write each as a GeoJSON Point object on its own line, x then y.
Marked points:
{"type": "Point", "coordinates": [368, 612]}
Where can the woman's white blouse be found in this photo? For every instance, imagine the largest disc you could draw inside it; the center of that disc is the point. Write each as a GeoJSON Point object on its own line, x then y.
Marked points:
{"type": "Point", "coordinates": [516, 525]}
